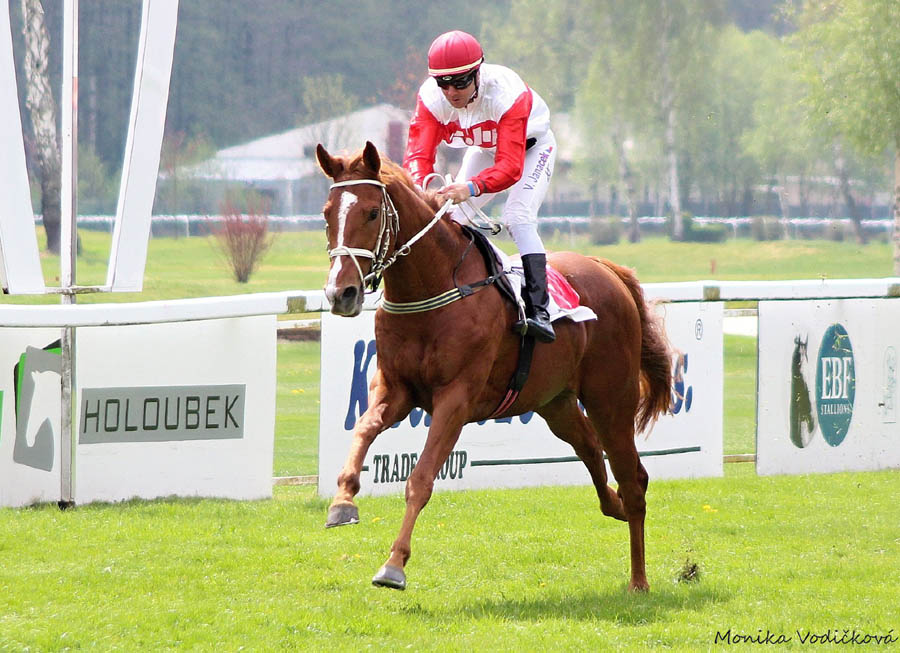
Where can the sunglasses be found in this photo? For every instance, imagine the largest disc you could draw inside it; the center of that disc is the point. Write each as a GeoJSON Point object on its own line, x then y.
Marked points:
{"type": "Point", "coordinates": [458, 81]}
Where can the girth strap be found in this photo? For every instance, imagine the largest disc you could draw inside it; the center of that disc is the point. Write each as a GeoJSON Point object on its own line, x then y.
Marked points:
{"type": "Point", "coordinates": [519, 377]}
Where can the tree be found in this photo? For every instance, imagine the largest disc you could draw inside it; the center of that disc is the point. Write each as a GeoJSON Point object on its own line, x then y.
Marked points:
{"type": "Point", "coordinates": [325, 108]}
{"type": "Point", "coordinates": [324, 98]}
{"type": "Point", "coordinates": [668, 38]}
{"type": "Point", "coordinates": [178, 152]}
{"type": "Point", "coordinates": [782, 140]}
{"type": "Point", "coordinates": [549, 44]}
{"type": "Point", "coordinates": [718, 110]}
{"type": "Point", "coordinates": [42, 110]}
{"type": "Point", "coordinates": [848, 53]}
{"type": "Point", "coordinates": [610, 104]}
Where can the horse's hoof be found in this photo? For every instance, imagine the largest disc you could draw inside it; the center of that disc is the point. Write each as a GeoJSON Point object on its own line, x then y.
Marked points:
{"type": "Point", "coordinates": [390, 576]}
{"type": "Point", "coordinates": [639, 587]}
{"type": "Point", "coordinates": [341, 515]}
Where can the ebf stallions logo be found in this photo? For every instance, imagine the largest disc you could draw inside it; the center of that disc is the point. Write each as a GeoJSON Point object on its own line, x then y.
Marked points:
{"type": "Point", "coordinates": [835, 384]}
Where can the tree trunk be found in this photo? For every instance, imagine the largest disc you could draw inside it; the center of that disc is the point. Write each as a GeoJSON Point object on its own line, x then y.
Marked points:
{"type": "Point", "coordinates": [784, 205]}
{"type": "Point", "coordinates": [844, 177]}
{"type": "Point", "coordinates": [42, 109]}
{"type": "Point", "coordinates": [783, 197]}
{"type": "Point", "coordinates": [668, 113]}
{"type": "Point", "coordinates": [627, 177]}
{"type": "Point", "coordinates": [674, 185]}
{"type": "Point", "coordinates": [897, 209]}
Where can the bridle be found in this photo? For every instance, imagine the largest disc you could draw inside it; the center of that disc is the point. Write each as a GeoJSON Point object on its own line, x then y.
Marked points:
{"type": "Point", "coordinates": [388, 231]}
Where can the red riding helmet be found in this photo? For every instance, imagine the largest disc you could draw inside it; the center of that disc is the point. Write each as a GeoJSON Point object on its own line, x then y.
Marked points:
{"type": "Point", "coordinates": [454, 53]}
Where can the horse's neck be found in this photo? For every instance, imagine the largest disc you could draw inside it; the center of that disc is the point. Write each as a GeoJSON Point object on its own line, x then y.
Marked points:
{"type": "Point", "coordinates": [428, 268]}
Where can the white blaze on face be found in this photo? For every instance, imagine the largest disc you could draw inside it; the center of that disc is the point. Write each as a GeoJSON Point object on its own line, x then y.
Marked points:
{"type": "Point", "coordinates": [348, 199]}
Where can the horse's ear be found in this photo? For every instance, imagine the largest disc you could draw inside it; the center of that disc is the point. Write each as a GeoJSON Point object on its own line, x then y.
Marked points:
{"type": "Point", "coordinates": [329, 165]}
{"type": "Point", "coordinates": [371, 158]}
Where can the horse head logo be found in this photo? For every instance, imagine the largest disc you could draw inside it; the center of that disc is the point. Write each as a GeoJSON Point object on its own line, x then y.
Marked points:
{"type": "Point", "coordinates": [802, 419]}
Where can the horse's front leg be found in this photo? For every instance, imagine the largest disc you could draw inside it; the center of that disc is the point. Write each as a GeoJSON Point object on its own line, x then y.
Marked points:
{"type": "Point", "coordinates": [387, 404]}
{"type": "Point", "coordinates": [446, 423]}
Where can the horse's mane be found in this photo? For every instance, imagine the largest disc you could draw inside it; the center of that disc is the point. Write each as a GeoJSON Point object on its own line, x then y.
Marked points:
{"type": "Point", "coordinates": [392, 173]}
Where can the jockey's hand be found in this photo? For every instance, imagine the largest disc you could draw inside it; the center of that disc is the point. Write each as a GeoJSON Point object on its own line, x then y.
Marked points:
{"type": "Point", "coordinates": [456, 192]}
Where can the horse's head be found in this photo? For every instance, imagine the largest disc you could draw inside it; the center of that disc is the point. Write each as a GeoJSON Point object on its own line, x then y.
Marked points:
{"type": "Point", "coordinates": [360, 222]}
{"type": "Point", "coordinates": [800, 355]}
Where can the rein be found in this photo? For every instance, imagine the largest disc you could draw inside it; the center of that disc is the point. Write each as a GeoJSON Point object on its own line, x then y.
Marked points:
{"type": "Point", "coordinates": [487, 223]}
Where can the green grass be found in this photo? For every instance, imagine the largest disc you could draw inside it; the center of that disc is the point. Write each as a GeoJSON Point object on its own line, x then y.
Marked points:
{"type": "Point", "coordinates": [297, 409]}
{"type": "Point", "coordinates": [514, 570]}
{"type": "Point", "coordinates": [658, 259]}
{"type": "Point", "coordinates": [739, 410]}
{"type": "Point", "coordinates": [533, 569]}
{"type": "Point", "coordinates": [194, 267]}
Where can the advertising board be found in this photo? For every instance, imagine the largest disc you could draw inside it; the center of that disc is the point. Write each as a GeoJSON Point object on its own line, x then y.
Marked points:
{"type": "Point", "coordinates": [183, 409]}
{"type": "Point", "coordinates": [30, 366]}
{"type": "Point", "coordinates": [827, 395]}
{"type": "Point", "coordinates": [519, 451]}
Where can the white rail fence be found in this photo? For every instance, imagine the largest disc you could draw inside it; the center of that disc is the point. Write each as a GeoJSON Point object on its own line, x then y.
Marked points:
{"type": "Point", "coordinates": [312, 301]}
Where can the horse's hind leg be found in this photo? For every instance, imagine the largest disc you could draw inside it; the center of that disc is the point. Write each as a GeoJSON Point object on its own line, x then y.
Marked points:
{"type": "Point", "coordinates": [386, 406]}
{"type": "Point", "coordinates": [567, 422]}
{"type": "Point", "coordinates": [613, 420]}
{"type": "Point", "coordinates": [617, 439]}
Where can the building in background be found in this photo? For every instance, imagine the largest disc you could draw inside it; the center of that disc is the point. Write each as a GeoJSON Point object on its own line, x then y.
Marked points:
{"type": "Point", "coordinates": [283, 167]}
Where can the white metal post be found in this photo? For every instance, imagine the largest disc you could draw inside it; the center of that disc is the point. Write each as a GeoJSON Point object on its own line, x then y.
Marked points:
{"type": "Point", "coordinates": [68, 250]}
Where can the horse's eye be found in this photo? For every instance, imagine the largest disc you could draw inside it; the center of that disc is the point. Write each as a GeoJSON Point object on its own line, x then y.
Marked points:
{"type": "Point", "coordinates": [373, 214]}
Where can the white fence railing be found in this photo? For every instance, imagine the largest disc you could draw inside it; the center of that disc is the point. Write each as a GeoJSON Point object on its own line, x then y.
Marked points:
{"type": "Point", "coordinates": [184, 222]}
{"type": "Point", "coordinates": [312, 301]}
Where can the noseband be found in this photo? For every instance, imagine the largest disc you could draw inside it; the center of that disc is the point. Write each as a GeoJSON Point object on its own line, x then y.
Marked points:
{"type": "Point", "coordinates": [389, 229]}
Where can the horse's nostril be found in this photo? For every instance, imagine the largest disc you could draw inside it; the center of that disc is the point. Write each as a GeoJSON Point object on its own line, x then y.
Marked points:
{"type": "Point", "coordinates": [350, 294]}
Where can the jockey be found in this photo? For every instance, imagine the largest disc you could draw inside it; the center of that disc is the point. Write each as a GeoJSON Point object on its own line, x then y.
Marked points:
{"type": "Point", "coordinates": [505, 127]}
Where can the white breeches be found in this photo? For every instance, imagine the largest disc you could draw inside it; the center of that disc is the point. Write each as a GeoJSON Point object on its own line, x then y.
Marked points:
{"type": "Point", "coordinates": [524, 197]}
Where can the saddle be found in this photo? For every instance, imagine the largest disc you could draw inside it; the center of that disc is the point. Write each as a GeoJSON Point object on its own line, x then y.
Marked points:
{"type": "Point", "coordinates": [507, 274]}
{"type": "Point", "coordinates": [492, 262]}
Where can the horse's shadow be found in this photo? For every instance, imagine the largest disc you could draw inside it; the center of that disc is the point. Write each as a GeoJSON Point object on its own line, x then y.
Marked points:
{"type": "Point", "coordinates": [613, 605]}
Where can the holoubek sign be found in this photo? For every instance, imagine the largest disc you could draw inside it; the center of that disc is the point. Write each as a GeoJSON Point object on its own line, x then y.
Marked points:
{"type": "Point", "coordinates": [827, 396]}
{"type": "Point", "coordinates": [519, 451]}
{"type": "Point", "coordinates": [162, 413]}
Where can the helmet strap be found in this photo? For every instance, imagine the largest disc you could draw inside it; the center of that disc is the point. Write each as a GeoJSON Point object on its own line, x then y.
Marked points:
{"type": "Point", "coordinates": [477, 79]}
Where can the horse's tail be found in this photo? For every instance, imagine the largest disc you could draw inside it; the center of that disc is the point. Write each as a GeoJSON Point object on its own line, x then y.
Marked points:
{"type": "Point", "coordinates": [656, 354]}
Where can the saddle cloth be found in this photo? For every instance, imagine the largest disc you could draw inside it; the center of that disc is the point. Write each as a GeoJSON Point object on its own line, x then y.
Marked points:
{"type": "Point", "coordinates": [564, 300]}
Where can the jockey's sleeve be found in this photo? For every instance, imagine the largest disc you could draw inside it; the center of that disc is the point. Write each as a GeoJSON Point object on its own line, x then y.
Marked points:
{"type": "Point", "coordinates": [510, 158]}
{"type": "Point", "coordinates": [422, 144]}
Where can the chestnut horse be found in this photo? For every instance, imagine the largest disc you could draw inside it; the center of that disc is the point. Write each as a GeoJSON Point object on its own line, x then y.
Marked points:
{"type": "Point", "coordinates": [455, 361]}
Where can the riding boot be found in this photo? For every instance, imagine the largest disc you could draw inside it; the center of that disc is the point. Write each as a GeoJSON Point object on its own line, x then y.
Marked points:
{"type": "Point", "coordinates": [537, 300]}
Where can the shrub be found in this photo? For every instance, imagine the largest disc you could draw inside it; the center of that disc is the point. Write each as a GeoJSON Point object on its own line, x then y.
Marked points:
{"type": "Point", "coordinates": [606, 231]}
{"type": "Point", "coordinates": [244, 238]}
{"type": "Point", "coordinates": [701, 233]}
{"type": "Point", "coordinates": [835, 231]}
{"type": "Point", "coordinates": [766, 227]}
{"type": "Point", "coordinates": [707, 233]}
